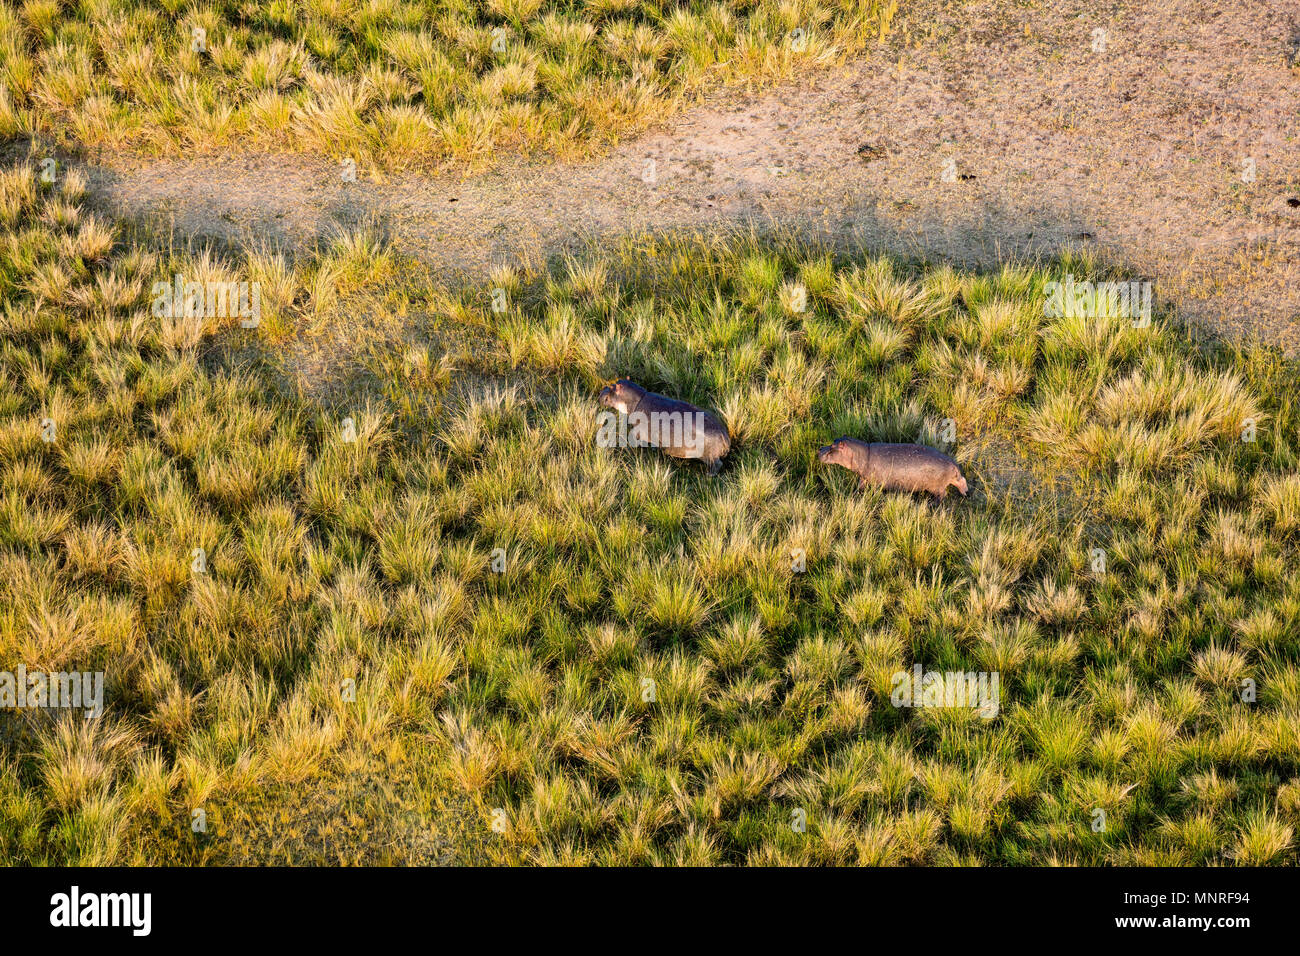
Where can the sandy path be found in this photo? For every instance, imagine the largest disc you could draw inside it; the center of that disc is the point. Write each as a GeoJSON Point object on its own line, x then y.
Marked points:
{"type": "Point", "coordinates": [1139, 148]}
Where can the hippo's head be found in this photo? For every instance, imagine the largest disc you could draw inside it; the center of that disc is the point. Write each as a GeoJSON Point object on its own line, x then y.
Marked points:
{"type": "Point", "coordinates": [622, 395]}
{"type": "Point", "coordinates": [836, 453]}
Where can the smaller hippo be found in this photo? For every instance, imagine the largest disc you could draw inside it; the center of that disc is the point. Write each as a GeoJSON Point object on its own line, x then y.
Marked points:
{"type": "Point", "coordinates": [677, 428]}
{"type": "Point", "coordinates": [895, 467]}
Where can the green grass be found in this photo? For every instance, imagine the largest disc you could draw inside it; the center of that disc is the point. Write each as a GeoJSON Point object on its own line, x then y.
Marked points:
{"type": "Point", "coordinates": [521, 698]}
{"type": "Point", "coordinates": [394, 83]}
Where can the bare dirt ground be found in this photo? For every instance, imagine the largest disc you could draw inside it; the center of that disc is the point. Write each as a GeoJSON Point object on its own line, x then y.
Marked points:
{"type": "Point", "coordinates": [1140, 147]}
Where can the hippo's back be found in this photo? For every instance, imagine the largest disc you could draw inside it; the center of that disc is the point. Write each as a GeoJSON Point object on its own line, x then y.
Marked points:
{"type": "Point", "coordinates": [904, 455]}
{"type": "Point", "coordinates": [654, 402]}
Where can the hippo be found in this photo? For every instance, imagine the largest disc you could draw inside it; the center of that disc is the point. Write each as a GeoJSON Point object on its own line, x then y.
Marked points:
{"type": "Point", "coordinates": [677, 428]}
{"type": "Point", "coordinates": [895, 467]}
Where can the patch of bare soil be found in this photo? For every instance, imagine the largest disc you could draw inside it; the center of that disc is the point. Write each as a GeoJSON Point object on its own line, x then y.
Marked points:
{"type": "Point", "coordinates": [981, 129]}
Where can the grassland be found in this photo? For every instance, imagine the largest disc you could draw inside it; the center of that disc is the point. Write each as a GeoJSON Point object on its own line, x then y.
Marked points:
{"type": "Point", "coordinates": [348, 674]}
{"type": "Point", "coordinates": [393, 83]}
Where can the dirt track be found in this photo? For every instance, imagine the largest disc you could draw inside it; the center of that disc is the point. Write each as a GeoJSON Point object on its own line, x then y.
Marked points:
{"type": "Point", "coordinates": [1139, 149]}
